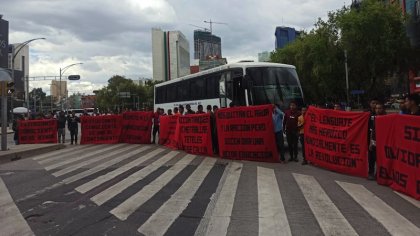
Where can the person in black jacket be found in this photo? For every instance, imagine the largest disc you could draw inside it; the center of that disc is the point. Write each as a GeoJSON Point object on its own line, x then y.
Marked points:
{"type": "Point", "coordinates": [73, 126]}
{"type": "Point", "coordinates": [61, 125]}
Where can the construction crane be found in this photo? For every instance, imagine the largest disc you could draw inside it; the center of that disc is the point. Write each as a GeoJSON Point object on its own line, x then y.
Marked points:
{"type": "Point", "coordinates": [199, 27]}
{"type": "Point", "coordinates": [213, 22]}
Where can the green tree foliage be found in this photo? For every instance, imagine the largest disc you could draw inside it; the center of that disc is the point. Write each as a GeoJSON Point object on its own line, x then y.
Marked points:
{"type": "Point", "coordinates": [141, 96]}
{"type": "Point", "coordinates": [38, 93]}
{"type": "Point", "coordinates": [376, 43]}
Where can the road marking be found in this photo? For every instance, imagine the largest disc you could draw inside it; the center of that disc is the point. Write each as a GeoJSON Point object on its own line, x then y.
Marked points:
{"type": "Point", "coordinates": [409, 199]}
{"type": "Point", "coordinates": [11, 221]}
{"type": "Point", "coordinates": [220, 218]}
{"type": "Point", "coordinates": [90, 161]}
{"type": "Point", "coordinates": [163, 218]}
{"type": "Point", "coordinates": [107, 164]}
{"type": "Point", "coordinates": [73, 152]}
{"type": "Point", "coordinates": [330, 219]}
{"type": "Point", "coordinates": [395, 223]}
{"type": "Point", "coordinates": [60, 151]}
{"type": "Point", "coordinates": [112, 191]}
{"type": "Point", "coordinates": [110, 175]}
{"type": "Point", "coordinates": [78, 158]}
{"type": "Point", "coordinates": [271, 213]}
{"type": "Point", "coordinates": [125, 209]}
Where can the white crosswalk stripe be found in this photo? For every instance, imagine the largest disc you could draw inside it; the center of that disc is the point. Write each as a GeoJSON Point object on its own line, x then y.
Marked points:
{"type": "Point", "coordinates": [162, 219]}
{"type": "Point", "coordinates": [78, 158]}
{"type": "Point", "coordinates": [330, 219]}
{"type": "Point", "coordinates": [395, 223]}
{"type": "Point", "coordinates": [59, 152]}
{"type": "Point", "coordinates": [72, 152]}
{"type": "Point", "coordinates": [130, 205]}
{"type": "Point", "coordinates": [90, 161]}
{"type": "Point", "coordinates": [272, 215]}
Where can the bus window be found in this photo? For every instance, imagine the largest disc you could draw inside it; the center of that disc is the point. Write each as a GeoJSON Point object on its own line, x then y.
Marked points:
{"type": "Point", "coordinates": [222, 91]}
{"type": "Point", "coordinates": [238, 92]}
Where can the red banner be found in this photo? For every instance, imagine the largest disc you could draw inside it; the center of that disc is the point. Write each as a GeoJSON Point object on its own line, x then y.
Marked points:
{"type": "Point", "coordinates": [167, 130]}
{"type": "Point", "coordinates": [101, 129]}
{"type": "Point", "coordinates": [398, 153]}
{"type": "Point", "coordinates": [337, 140]}
{"type": "Point", "coordinates": [136, 127]}
{"type": "Point", "coordinates": [195, 134]}
{"type": "Point", "coordinates": [37, 131]}
{"type": "Point", "coordinates": [247, 133]}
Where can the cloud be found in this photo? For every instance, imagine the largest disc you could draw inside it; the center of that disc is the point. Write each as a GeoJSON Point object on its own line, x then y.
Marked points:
{"type": "Point", "coordinates": [114, 37]}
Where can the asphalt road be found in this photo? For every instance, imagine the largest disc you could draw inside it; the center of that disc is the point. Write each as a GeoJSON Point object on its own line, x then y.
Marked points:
{"type": "Point", "coordinates": [150, 190]}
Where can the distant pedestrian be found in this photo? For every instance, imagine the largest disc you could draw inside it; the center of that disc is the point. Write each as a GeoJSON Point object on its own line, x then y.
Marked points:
{"type": "Point", "coordinates": [176, 111]}
{"type": "Point", "coordinates": [189, 110]}
{"type": "Point", "coordinates": [73, 126]}
{"type": "Point", "coordinates": [200, 109]}
{"type": "Point", "coordinates": [215, 108]}
{"type": "Point", "coordinates": [301, 126]}
{"type": "Point", "coordinates": [170, 112]}
{"type": "Point", "coordinates": [61, 125]}
{"type": "Point", "coordinates": [181, 110]}
{"type": "Point", "coordinates": [290, 125]}
{"type": "Point", "coordinates": [15, 128]}
{"type": "Point", "coordinates": [278, 117]}
{"type": "Point", "coordinates": [209, 109]}
{"type": "Point", "coordinates": [412, 103]}
{"type": "Point", "coordinates": [156, 123]}
{"type": "Point", "coordinates": [379, 111]}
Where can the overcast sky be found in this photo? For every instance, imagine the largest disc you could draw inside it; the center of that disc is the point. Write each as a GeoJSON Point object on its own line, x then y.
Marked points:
{"type": "Point", "coordinates": [114, 36]}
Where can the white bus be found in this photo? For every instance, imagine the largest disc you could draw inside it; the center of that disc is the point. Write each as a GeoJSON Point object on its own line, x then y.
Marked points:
{"type": "Point", "coordinates": [243, 84]}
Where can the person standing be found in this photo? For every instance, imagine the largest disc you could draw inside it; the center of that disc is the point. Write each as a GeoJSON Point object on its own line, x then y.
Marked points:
{"type": "Point", "coordinates": [73, 126]}
{"type": "Point", "coordinates": [209, 109]}
{"type": "Point", "coordinates": [278, 117]}
{"type": "Point", "coordinates": [301, 126]}
{"type": "Point", "coordinates": [379, 111]}
{"type": "Point", "coordinates": [15, 128]}
{"type": "Point", "coordinates": [290, 125]}
{"type": "Point", "coordinates": [412, 103]}
{"type": "Point", "coordinates": [200, 109]}
{"type": "Point", "coordinates": [189, 110]}
{"type": "Point", "coordinates": [156, 123]}
{"type": "Point", "coordinates": [61, 125]}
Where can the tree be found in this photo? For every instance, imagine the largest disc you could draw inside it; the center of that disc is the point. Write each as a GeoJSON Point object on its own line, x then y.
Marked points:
{"type": "Point", "coordinates": [373, 36]}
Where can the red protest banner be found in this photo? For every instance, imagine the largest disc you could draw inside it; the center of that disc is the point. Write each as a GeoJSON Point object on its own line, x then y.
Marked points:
{"type": "Point", "coordinates": [167, 131]}
{"type": "Point", "coordinates": [101, 129]}
{"type": "Point", "coordinates": [195, 134]}
{"type": "Point", "coordinates": [337, 140]}
{"type": "Point", "coordinates": [247, 133]}
{"type": "Point", "coordinates": [136, 127]}
{"type": "Point", "coordinates": [398, 153]}
{"type": "Point", "coordinates": [37, 131]}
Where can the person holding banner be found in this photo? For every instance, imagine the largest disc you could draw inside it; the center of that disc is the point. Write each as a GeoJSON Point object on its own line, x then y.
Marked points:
{"type": "Point", "coordinates": [73, 126]}
{"type": "Point", "coordinates": [379, 111]}
{"type": "Point", "coordinates": [412, 103]}
{"type": "Point", "coordinates": [301, 124]}
{"type": "Point", "coordinates": [181, 110]}
{"type": "Point", "coordinates": [200, 109]}
{"type": "Point", "coordinates": [290, 125]}
{"type": "Point", "coordinates": [278, 117]}
{"type": "Point", "coordinates": [156, 117]}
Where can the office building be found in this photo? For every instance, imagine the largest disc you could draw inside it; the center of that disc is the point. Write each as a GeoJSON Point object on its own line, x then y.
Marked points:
{"type": "Point", "coordinates": [285, 35]}
{"type": "Point", "coordinates": [171, 55]}
{"type": "Point", "coordinates": [55, 89]}
{"type": "Point", "coordinates": [206, 45]}
{"type": "Point", "coordinates": [21, 67]}
{"type": "Point", "coordinates": [264, 56]}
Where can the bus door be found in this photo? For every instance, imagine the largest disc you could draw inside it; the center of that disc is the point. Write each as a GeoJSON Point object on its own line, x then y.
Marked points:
{"type": "Point", "coordinates": [231, 89]}
{"type": "Point", "coordinates": [238, 90]}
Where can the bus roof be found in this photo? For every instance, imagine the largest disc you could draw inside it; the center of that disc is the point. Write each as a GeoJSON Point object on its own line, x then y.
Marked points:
{"type": "Point", "coordinates": [225, 67]}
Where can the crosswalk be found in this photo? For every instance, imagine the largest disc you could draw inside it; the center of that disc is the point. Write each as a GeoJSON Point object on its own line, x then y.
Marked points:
{"type": "Point", "coordinates": [106, 173]}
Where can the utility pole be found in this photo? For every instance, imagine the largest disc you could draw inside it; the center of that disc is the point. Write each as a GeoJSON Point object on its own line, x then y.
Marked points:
{"type": "Point", "coordinates": [347, 78]}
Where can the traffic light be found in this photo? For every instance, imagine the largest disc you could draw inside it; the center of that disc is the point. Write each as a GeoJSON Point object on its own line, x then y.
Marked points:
{"type": "Point", "coordinates": [10, 87]}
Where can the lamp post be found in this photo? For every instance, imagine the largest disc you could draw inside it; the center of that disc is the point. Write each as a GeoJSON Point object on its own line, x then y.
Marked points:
{"type": "Point", "coordinates": [62, 70]}
{"type": "Point", "coordinates": [14, 54]}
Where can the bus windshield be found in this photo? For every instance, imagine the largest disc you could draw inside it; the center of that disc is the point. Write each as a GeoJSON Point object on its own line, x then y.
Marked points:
{"type": "Point", "coordinates": [274, 85]}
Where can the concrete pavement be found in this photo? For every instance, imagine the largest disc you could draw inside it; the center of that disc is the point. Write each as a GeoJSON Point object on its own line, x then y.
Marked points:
{"type": "Point", "coordinates": [150, 190]}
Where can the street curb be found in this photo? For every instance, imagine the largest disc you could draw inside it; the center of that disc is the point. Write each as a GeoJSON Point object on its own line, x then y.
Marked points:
{"type": "Point", "coordinates": [18, 155]}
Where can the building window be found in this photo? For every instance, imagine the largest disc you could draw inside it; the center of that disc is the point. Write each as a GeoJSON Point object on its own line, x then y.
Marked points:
{"type": "Point", "coordinates": [417, 8]}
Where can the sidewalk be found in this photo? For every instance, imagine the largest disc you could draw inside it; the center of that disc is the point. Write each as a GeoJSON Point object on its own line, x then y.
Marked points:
{"type": "Point", "coordinates": [17, 152]}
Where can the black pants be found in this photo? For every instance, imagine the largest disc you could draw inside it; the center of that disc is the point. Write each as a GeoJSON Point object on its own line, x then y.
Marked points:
{"type": "Point", "coordinates": [302, 142]}
{"type": "Point", "coordinates": [280, 144]}
{"type": "Point", "coordinates": [73, 135]}
{"type": "Point", "coordinates": [155, 131]}
{"type": "Point", "coordinates": [292, 141]}
{"type": "Point", "coordinates": [372, 161]}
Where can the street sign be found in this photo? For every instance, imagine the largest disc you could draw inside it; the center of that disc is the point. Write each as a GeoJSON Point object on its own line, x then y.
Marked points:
{"type": "Point", "coordinates": [74, 77]}
{"type": "Point", "coordinates": [357, 92]}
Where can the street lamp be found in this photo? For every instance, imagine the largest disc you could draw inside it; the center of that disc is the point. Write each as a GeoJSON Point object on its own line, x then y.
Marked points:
{"type": "Point", "coordinates": [62, 70]}
{"type": "Point", "coordinates": [26, 89]}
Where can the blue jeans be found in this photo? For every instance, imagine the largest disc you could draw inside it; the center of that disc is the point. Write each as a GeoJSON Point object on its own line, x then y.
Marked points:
{"type": "Point", "coordinates": [280, 144]}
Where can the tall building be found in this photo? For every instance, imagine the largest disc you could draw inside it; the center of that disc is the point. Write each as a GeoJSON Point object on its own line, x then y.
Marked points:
{"type": "Point", "coordinates": [206, 45]}
{"type": "Point", "coordinates": [55, 89]}
{"type": "Point", "coordinates": [171, 55]}
{"type": "Point", "coordinates": [285, 35]}
{"type": "Point", "coordinates": [264, 56]}
{"type": "Point", "coordinates": [21, 67]}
